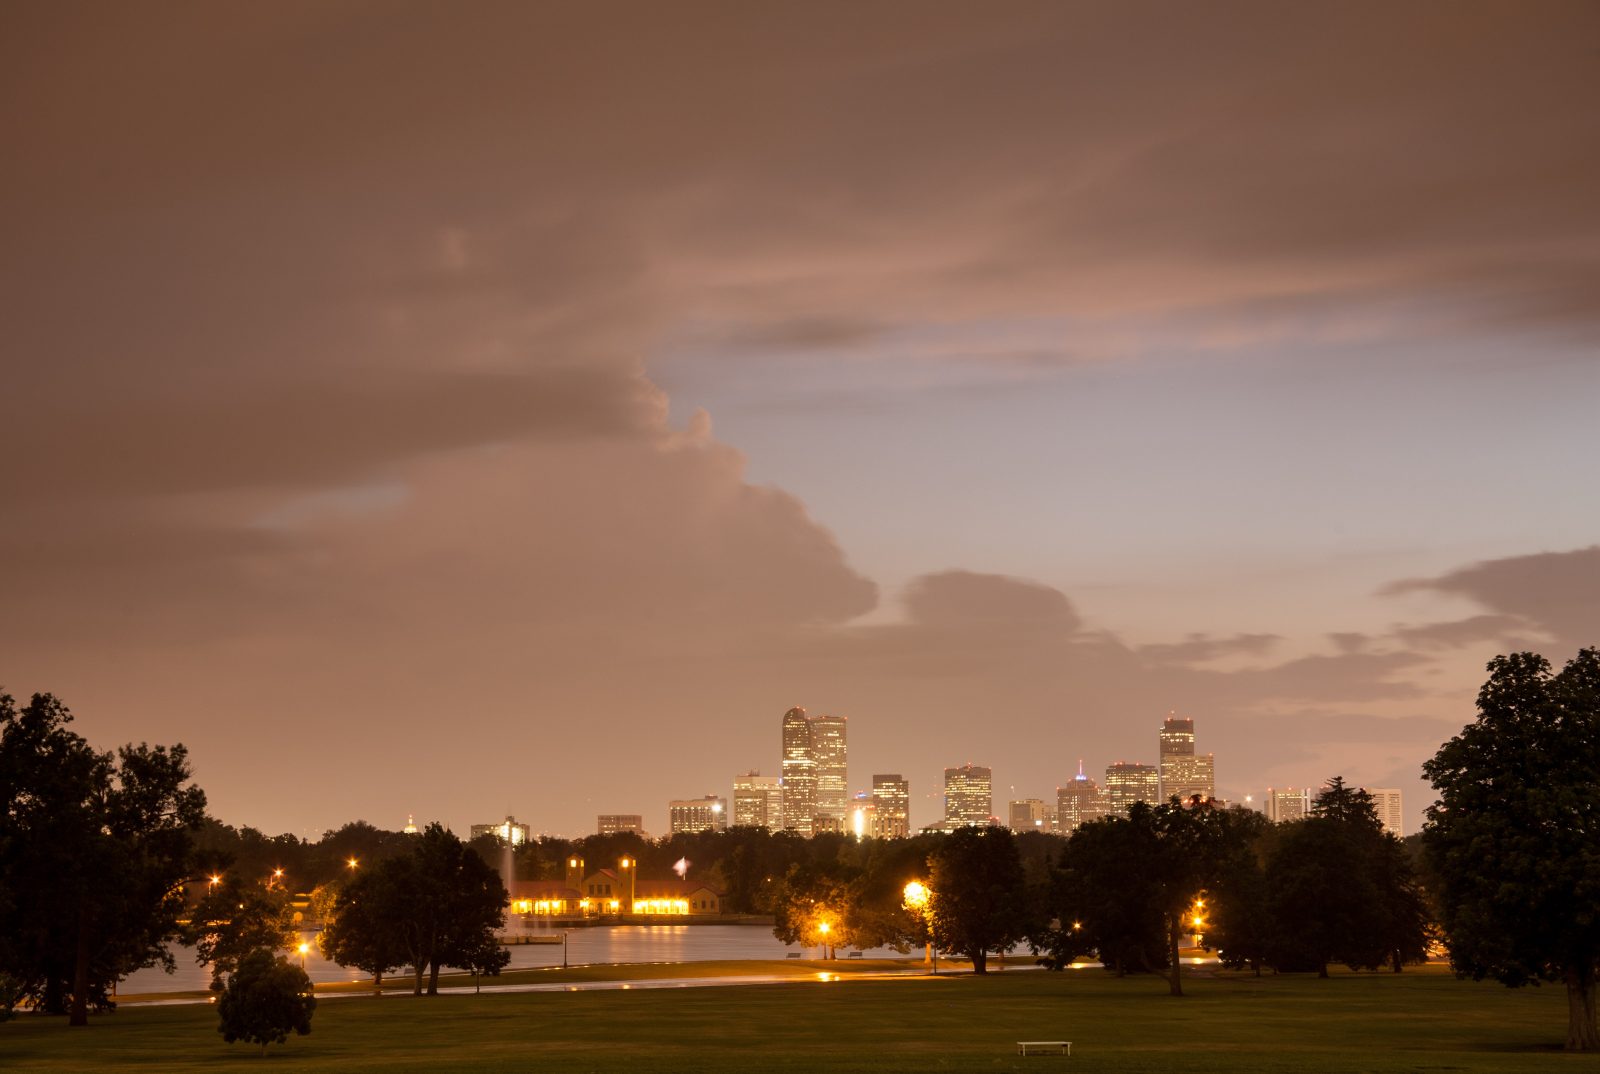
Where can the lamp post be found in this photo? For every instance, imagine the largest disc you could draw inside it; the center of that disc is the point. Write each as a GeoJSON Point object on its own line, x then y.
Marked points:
{"type": "Point", "coordinates": [916, 900]}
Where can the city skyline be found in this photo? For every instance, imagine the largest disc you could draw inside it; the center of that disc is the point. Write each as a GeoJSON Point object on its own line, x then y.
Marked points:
{"type": "Point", "coordinates": [446, 410]}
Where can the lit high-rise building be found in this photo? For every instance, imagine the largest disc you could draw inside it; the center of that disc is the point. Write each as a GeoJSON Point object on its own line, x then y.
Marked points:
{"type": "Point", "coordinates": [891, 801]}
{"type": "Point", "coordinates": [1028, 815]}
{"type": "Point", "coordinates": [507, 831]}
{"type": "Point", "coordinates": [968, 796]}
{"type": "Point", "coordinates": [828, 752]}
{"type": "Point", "coordinates": [1282, 804]}
{"type": "Point", "coordinates": [708, 814]}
{"type": "Point", "coordinates": [1079, 802]}
{"type": "Point", "coordinates": [1386, 803]}
{"type": "Point", "coordinates": [799, 772]}
{"type": "Point", "coordinates": [1184, 773]}
{"type": "Point", "coordinates": [618, 823]}
{"type": "Point", "coordinates": [757, 801]}
{"type": "Point", "coordinates": [1128, 783]}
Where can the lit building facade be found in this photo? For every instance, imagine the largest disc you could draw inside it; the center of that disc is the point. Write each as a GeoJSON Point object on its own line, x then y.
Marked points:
{"type": "Point", "coordinates": [1282, 804]}
{"type": "Point", "coordinates": [1127, 783]}
{"type": "Point", "coordinates": [507, 831]}
{"type": "Point", "coordinates": [757, 801]}
{"type": "Point", "coordinates": [1386, 803]}
{"type": "Point", "coordinates": [1184, 772]}
{"type": "Point", "coordinates": [618, 823]}
{"type": "Point", "coordinates": [799, 772]}
{"type": "Point", "coordinates": [1079, 802]}
{"type": "Point", "coordinates": [828, 753]}
{"type": "Point", "coordinates": [687, 815]}
{"type": "Point", "coordinates": [891, 806]}
{"type": "Point", "coordinates": [968, 796]}
{"type": "Point", "coordinates": [1028, 815]}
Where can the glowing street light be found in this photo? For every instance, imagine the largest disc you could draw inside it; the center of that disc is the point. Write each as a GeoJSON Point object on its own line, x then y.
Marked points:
{"type": "Point", "coordinates": [916, 900]}
{"type": "Point", "coordinates": [631, 867]}
{"type": "Point", "coordinates": [351, 863]}
{"type": "Point", "coordinates": [215, 880]}
{"type": "Point", "coordinates": [304, 949]}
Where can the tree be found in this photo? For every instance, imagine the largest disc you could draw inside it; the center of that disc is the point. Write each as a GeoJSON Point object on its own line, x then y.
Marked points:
{"type": "Point", "coordinates": [1512, 837]}
{"type": "Point", "coordinates": [976, 901]}
{"type": "Point", "coordinates": [449, 899]}
{"type": "Point", "coordinates": [235, 918]}
{"type": "Point", "coordinates": [485, 957]}
{"type": "Point", "coordinates": [362, 929]}
{"type": "Point", "coordinates": [267, 998]}
{"type": "Point", "coordinates": [812, 907]}
{"type": "Point", "coordinates": [94, 848]}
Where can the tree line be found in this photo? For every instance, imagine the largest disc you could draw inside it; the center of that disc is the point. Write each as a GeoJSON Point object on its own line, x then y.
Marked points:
{"type": "Point", "coordinates": [98, 850]}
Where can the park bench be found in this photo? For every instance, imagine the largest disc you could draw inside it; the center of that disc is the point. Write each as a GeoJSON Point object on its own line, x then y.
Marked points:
{"type": "Point", "coordinates": [792, 954]}
{"type": "Point", "coordinates": [1044, 1047]}
{"type": "Point", "coordinates": [853, 954]}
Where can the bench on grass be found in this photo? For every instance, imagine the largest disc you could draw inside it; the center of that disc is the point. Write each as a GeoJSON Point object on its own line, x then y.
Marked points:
{"type": "Point", "coordinates": [792, 954]}
{"type": "Point", "coordinates": [1044, 1047]}
{"type": "Point", "coordinates": [853, 954]}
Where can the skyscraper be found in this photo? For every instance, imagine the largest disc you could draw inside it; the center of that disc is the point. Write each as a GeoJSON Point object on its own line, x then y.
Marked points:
{"type": "Point", "coordinates": [799, 772]}
{"type": "Point", "coordinates": [708, 814]}
{"type": "Point", "coordinates": [1079, 802]}
{"type": "Point", "coordinates": [1128, 783]}
{"type": "Point", "coordinates": [1386, 803]}
{"type": "Point", "coordinates": [828, 754]}
{"type": "Point", "coordinates": [757, 801]}
{"type": "Point", "coordinates": [891, 799]}
{"type": "Point", "coordinates": [1184, 773]}
{"type": "Point", "coordinates": [968, 796]}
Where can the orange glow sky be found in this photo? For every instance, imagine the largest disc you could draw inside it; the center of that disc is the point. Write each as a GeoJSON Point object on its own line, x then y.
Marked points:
{"type": "Point", "coordinates": [460, 410]}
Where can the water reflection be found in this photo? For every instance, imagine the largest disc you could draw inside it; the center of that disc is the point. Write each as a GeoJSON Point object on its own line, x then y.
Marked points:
{"type": "Point", "coordinates": [587, 946]}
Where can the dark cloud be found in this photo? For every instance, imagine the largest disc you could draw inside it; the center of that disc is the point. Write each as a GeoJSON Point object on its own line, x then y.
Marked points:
{"type": "Point", "coordinates": [969, 599]}
{"type": "Point", "coordinates": [1459, 633]}
{"type": "Point", "coordinates": [1556, 592]}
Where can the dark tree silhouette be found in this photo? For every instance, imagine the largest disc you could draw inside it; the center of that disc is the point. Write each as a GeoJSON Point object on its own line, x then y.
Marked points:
{"type": "Point", "coordinates": [94, 849]}
{"type": "Point", "coordinates": [977, 893]}
{"type": "Point", "coordinates": [235, 918]}
{"type": "Point", "coordinates": [1512, 837]}
{"type": "Point", "coordinates": [266, 999]}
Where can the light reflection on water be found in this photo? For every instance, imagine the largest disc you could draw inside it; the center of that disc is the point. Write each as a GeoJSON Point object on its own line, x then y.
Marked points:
{"type": "Point", "coordinates": [587, 946]}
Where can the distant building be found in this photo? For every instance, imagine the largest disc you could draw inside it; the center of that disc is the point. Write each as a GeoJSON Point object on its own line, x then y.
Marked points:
{"type": "Point", "coordinates": [618, 823]}
{"type": "Point", "coordinates": [1282, 804]}
{"type": "Point", "coordinates": [968, 796]}
{"type": "Point", "coordinates": [411, 825]}
{"type": "Point", "coordinates": [863, 815]}
{"type": "Point", "coordinates": [545, 898]}
{"type": "Point", "coordinates": [1128, 783]}
{"type": "Point", "coordinates": [1386, 803]}
{"type": "Point", "coordinates": [1079, 802]}
{"type": "Point", "coordinates": [891, 801]}
{"type": "Point", "coordinates": [1184, 772]}
{"type": "Point", "coordinates": [757, 801]}
{"type": "Point", "coordinates": [828, 751]}
{"type": "Point", "coordinates": [1028, 815]}
{"type": "Point", "coordinates": [708, 814]}
{"type": "Point", "coordinates": [507, 831]}
{"type": "Point", "coordinates": [799, 772]}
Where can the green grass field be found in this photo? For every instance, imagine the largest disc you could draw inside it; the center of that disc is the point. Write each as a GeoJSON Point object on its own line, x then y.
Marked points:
{"type": "Point", "coordinates": [1422, 1020]}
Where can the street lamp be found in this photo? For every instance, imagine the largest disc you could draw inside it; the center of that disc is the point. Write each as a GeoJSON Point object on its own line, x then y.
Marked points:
{"type": "Point", "coordinates": [305, 949]}
{"type": "Point", "coordinates": [827, 950]}
{"type": "Point", "coordinates": [916, 900]}
{"type": "Point", "coordinates": [351, 863]}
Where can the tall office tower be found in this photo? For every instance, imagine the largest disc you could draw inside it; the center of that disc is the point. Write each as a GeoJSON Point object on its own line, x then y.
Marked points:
{"type": "Point", "coordinates": [708, 814]}
{"type": "Point", "coordinates": [757, 801]}
{"type": "Point", "coordinates": [1386, 803]}
{"type": "Point", "coordinates": [799, 772]}
{"type": "Point", "coordinates": [1127, 783]}
{"type": "Point", "coordinates": [1286, 803]}
{"type": "Point", "coordinates": [968, 796]}
{"type": "Point", "coordinates": [828, 753]}
{"type": "Point", "coordinates": [617, 823]}
{"type": "Point", "coordinates": [1183, 772]}
{"type": "Point", "coordinates": [891, 800]}
{"type": "Point", "coordinates": [1079, 802]}
{"type": "Point", "coordinates": [1029, 815]}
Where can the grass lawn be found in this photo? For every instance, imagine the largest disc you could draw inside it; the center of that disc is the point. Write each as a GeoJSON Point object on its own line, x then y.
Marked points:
{"type": "Point", "coordinates": [1422, 1020]}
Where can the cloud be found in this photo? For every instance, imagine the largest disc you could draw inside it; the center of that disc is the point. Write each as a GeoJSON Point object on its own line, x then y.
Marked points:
{"type": "Point", "coordinates": [989, 601]}
{"type": "Point", "coordinates": [1555, 592]}
{"type": "Point", "coordinates": [1459, 633]}
{"type": "Point", "coordinates": [1201, 648]}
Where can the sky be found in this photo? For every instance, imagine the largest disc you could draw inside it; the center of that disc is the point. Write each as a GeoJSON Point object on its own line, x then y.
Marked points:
{"type": "Point", "coordinates": [460, 410]}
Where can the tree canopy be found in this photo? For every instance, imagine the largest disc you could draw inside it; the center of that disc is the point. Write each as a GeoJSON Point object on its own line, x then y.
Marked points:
{"type": "Point", "coordinates": [94, 849]}
{"type": "Point", "coordinates": [235, 918]}
{"type": "Point", "coordinates": [1515, 835]}
{"type": "Point", "coordinates": [977, 893]}
{"type": "Point", "coordinates": [267, 998]}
